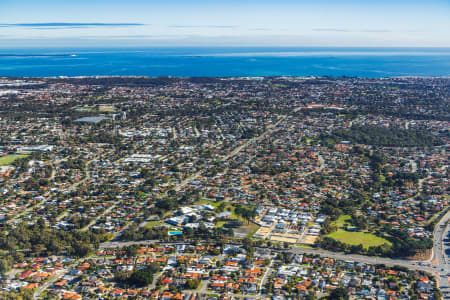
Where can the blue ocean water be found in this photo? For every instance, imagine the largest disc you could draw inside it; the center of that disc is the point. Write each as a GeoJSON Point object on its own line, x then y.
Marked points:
{"type": "Point", "coordinates": [361, 62]}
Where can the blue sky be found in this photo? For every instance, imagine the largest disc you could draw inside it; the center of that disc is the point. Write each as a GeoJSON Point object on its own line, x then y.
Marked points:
{"type": "Point", "coordinates": [80, 23]}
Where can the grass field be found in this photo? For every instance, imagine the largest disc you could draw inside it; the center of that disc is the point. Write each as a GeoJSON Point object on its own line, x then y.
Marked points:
{"type": "Point", "coordinates": [228, 207]}
{"type": "Point", "coordinates": [252, 229]}
{"type": "Point", "coordinates": [152, 224]}
{"type": "Point", "coordinates": [280, 85]}
{"type": "Point", "coordinates": [246, 230]}
{"type": "Point", "coordinates": [100, 108]}
{"type": "Point", "coordinates": [342, 221]}
{"type": "Point", "coordinates": [221, 223]}
{"type": "Point", "coordinates": [9, 159]}
{"type": "Point", "coordinates": [205, 201]}
{"type": "Point", "coordinates": [356, 237]}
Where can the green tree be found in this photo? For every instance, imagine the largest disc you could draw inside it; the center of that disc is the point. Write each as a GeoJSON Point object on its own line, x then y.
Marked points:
{"type": "Point", "coordinates": [338, 294]}
{"type": "Point", "coordinates": [143, 277]}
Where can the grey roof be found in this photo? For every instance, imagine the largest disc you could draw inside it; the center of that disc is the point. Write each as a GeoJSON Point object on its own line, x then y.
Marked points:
{"type": "Point", "coordinates": [90, 120]}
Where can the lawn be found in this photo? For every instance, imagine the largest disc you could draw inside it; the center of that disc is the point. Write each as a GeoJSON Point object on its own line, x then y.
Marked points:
{"type": "Point", "coordinates": [304, 246]}
{"type": "Point", "coordinates": [106, 108]}
{"type": "Point", "coordinates": [9, 159]}
{"type": "Point", "coordinates": [220, 224]}
{"type": "Point", "coordinates": [354, 237]}
{"type": "Point", "coordinates": [205, 201]}
{"type": "Point", "coordinates": [99, 108]}
{"type": "Point", "coordinates": [342, 221]}
{"type": "Point", "coordinates": [151, 224]}
{"type": "Point", "coordinates": [216, 204]}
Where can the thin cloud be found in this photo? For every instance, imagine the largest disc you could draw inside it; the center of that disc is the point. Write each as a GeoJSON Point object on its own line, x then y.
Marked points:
{"type": "Point", "coordinates": [376, 30]}
{"type": "Point", "coordinates": [202, 26]}
{"type": "Point", "coordinates": [68, 25]}
{"type": "Point", "coordinates": [331, 29]}
{"type": "Point", "coordinates": [260, 29]}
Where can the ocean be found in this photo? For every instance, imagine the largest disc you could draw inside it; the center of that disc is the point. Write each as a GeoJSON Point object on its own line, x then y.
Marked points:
{"type": "Point", "coordinates": [224, 62]}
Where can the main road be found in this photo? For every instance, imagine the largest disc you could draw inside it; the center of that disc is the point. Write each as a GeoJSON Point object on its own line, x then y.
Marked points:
{"type": "Point", "coordinates": [441, 251]}
{"type": "Point", "coordinates": [300, 250]}
{"type": "Point", "coordinates": [439, 264]}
